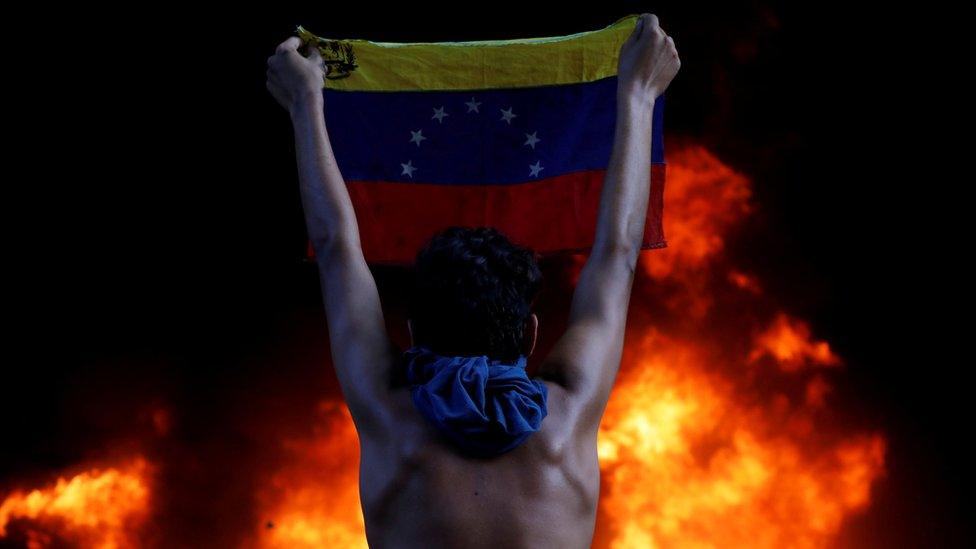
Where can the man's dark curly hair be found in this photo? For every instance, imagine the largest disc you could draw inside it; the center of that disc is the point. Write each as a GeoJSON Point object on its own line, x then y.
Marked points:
{"type": "Point", "coordinates": [473, 290]}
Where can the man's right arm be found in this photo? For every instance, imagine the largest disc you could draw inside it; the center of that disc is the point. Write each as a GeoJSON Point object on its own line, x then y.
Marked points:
{"type": "Point", "coordinates": [586, 358]}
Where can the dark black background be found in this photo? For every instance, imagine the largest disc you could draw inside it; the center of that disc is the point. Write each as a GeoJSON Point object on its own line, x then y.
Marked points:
{"type": "Point", "coordinates": [157, 237]}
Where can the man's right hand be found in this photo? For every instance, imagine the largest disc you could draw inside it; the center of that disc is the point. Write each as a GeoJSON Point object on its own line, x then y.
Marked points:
{"type": "Point", "coordinates": [648, 60]}
{"type": "Point", "coordinates": [294, 78]}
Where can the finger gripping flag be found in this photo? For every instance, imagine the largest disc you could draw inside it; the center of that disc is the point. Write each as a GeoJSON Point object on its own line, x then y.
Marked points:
{"type": "Point", "coordinates": [514, 134]}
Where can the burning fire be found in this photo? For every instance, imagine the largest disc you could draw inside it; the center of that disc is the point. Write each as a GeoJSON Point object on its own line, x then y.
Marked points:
{"type": "Point", "coordinates": [101, 508]}
{"type": "Point", "coordinates": [314, 501]}
{"type": "Point", "coordinates": [689, 460]}
{"type": "Point", "coordinates": [719, 431]}
{"type": "Point", "coordinates": [788, 341]}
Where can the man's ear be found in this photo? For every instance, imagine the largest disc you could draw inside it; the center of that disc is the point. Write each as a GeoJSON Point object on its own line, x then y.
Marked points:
{"type": "Point", "coordinates": [531, 333]}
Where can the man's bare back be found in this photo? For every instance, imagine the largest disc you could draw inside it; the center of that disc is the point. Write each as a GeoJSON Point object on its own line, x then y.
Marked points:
{"type": "Point", "coordinates": [416, 489]}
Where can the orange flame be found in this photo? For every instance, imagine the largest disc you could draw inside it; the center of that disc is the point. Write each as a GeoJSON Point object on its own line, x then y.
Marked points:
{"type": "Point", "coordinates": [788, 342]}
{"type": "Point", "coordinates": [689, 463]}
{"type": "Point", "coordinates": [314, 501]}
{"type": "Point", "coordinates": [97, 508]}
{"type": "Point", "coordinates": [690, 453]}
{"type": "Point", "coordinates": [703, 199]}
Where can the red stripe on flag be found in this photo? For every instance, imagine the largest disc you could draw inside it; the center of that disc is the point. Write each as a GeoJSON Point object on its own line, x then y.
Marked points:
{"type": "Point", "coordinates": [551, 215]}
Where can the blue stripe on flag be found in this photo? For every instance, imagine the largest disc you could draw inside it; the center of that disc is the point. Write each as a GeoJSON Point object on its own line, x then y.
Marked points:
{"type": "Point", "coordinates": [492, 137]}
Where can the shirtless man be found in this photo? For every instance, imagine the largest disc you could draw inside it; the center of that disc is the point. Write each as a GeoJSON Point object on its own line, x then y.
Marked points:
{"type": "Point", "coordinates": [417, 490]}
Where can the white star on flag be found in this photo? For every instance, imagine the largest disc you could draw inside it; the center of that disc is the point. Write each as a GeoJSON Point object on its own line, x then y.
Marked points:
{"type": "Point", "coordinates": [418, 136]}
{"type": "Point", "coordinates": [439, 114]}
{"type": "Point", "coordinates": [536, 168]}
{"type": "Point", "coordinates": [473, 105]}
{"type": "Point", "coordinates": [408, 168]}
{"type": "Point", "coordinates": [532, 139]}
{"type": "Point", "coordinates": [507, 116]}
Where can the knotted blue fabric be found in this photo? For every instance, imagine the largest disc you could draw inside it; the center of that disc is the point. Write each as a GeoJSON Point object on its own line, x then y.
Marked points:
{"type": "Point", "coordinates": [484, 407]}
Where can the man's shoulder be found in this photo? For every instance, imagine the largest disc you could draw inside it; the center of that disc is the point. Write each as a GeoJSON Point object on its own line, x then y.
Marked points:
{"type": "Point", "coordinates": [560, 433]}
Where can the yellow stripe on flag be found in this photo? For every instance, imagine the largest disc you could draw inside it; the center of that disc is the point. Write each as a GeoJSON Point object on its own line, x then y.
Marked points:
{"type": "Point", "coordinates": [364, 65]}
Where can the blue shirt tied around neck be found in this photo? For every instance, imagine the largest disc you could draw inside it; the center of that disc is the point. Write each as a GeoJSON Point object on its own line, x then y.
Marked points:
{"type": "Point", "coordinates": [485, 407]}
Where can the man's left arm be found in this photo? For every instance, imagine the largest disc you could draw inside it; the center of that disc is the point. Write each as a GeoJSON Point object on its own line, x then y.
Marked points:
{"type": "Point", "coordinates": [361, 348]}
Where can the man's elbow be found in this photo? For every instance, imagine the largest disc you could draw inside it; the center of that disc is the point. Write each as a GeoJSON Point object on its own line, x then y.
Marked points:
{"type": "Point", "coordinates": [332, 244]}
{"type": "Point", "coordinates": [620, 252]}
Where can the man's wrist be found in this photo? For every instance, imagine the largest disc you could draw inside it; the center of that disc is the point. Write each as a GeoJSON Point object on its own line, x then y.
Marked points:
{"type": "Point", "coordinates": [306, 102]}
{"type": "Point", "coordinates": [633, 103]}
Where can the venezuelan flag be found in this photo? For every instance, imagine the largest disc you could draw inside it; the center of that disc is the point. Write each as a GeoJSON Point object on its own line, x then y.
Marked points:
{"type": "Point", "coordinates": [515, 134]}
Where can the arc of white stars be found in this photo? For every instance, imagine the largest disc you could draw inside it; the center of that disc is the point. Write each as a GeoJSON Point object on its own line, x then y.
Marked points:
{"type": "Point", "coordinates": [536, 168]}
{"type": "Point", "coordinates": [532, 139]}
{"type": "Point", "coordinates": [408, 168]}
{"type": "Point", "coordinates": [417, 136]}
{"type": "Point", "coordinates": [508, 115]}
{"type": "Point", "coordinates": [439, 114]}
{"type": "Point", "coordinates": [473, 105]}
